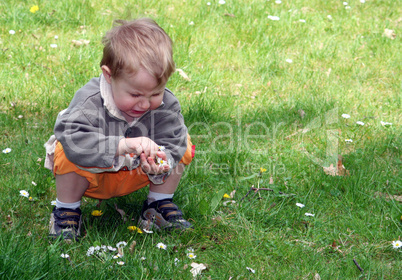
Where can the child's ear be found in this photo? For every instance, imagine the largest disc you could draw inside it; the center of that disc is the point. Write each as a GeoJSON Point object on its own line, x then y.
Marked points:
{"type": "Point", "coordinates": [107, 73]}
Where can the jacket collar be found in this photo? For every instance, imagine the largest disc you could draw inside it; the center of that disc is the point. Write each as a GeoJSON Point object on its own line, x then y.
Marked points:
{"type": "Point", "coordinates": [107, 96]}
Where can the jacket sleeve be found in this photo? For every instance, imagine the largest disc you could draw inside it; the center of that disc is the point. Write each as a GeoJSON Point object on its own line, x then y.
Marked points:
{"type": "Point", "coordinates": [82, 133]}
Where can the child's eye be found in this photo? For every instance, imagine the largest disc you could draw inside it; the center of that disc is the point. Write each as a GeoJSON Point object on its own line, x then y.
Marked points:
{"type": "Point", "coordinates": [134, 95]}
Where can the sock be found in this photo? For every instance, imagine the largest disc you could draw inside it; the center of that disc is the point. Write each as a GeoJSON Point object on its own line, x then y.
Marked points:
{"type": "Point", "coordinates": [154, 196]}
{"type": "Point", "coordinates": [73, 205]}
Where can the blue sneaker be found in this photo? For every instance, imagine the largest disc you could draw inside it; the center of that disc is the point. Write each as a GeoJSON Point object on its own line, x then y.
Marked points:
{"type": "Point", "coordinates": [66, 223]}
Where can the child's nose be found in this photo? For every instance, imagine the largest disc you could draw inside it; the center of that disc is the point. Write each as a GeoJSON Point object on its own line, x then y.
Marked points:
{"type": "Point", "coordinates": [144, 104]}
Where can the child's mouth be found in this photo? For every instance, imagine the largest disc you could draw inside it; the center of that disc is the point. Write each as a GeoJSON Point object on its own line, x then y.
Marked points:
{"type": "Point", "coordinates": [137, 112]}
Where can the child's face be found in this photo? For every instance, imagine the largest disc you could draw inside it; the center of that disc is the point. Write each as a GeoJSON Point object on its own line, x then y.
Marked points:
{"type": "Point", "coordinates": [135, 94]}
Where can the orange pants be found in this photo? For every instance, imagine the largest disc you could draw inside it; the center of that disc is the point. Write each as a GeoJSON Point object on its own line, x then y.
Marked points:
{"type": "Point", "coordinates": [110, 184]}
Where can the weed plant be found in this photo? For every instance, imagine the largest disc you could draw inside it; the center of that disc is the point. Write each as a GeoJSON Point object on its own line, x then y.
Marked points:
{"type": "Point", "coordinates": [265, 100]}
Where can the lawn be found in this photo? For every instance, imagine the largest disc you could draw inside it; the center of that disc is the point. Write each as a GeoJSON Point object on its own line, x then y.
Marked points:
{"type": "Point", "coordinates": [294, 108]}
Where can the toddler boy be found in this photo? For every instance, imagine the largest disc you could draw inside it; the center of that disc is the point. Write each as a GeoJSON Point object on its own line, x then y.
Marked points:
{"type": "Point", "coordinates": [122, 132]}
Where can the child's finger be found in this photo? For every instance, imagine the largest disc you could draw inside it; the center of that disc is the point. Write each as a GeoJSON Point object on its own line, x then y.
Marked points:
{"type": "Point", "coordinates": [154, 168]}
{"type": "Point", "coordinates": [162, 155]}
{"type": "Point", "coordinates": [166, 168]}
{"type": "Point", "coordinates": [151, 160]}
{"type": "Point", "coordinates": [144, 163]}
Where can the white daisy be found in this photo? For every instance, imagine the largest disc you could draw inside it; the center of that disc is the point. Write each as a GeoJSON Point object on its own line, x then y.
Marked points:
{"type": "Point", "coordinates": [64, 256]}
{"type": "Point", "coordinates": [56, 37]}
{"type": "Point", "coordinates": [53, 46]}
{"type": "Point", "coordinates": [396, 244]}
{"type": "Point", "coordinates": [160, 245]}
{"type": "Point", "coordinates": [110, 248]}
{"type": "Point", "coordinates": [348, 140]}
{"type": "Point", "coordinates": [6, 151]}
{"type": "Point", "coordinates": [191, 255]}
{"type": "Point", "coordinates": [289, 60]}
{"type": "Point", "coordinates": [147, 231]}
{"type": "Point", "coordinates": [121, 244]}
{"type": "Point", "coordinates": [346, 116]}
{"type": "Point", "coordinates": [12, 32]}
{"type": "Point", "coordinates": [160, 161]}
{"type": "Point", "coordinates": [386, 124]}
{"type": "Point", "coordinates": [300, 205]}
{"type": "Point", "coordinates": [273, 18]}
{"type": "Point", "coordinates": [24, 193]}
{"type": "Point", "coordinates": [250, 269]}
{"type": "Point", "coordinates": [302, 20]}
{"type": "Point", "coordinates": [309, 214]}
{"type": "Point", "coordinates": [53, 203]}
{"type": "Point", "coordinates": [225, 203]}
{"type": "Point", "coordinates": [360, 123]}
{"type": "Point", "coordinates": [345, 3]}
{"type": "Point", "coordinates": [362, 1]}
{"type": "Point", "coordinates": [90, 251]}
{"type": "Point", "coordinates": [222, 2]}
{"type": "Point", "coordinates": [278, 2]}
{"type": "Point", "coordinates": [329, 17]}
{"type": "Point", "coordinates": [120, 263]}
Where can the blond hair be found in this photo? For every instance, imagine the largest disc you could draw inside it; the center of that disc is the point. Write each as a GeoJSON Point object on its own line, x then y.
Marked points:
{"type": "Point", "coordinates": [141, 43]}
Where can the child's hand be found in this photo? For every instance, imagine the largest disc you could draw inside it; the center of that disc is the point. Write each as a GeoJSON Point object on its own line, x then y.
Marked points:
{"type": "Point", "coordinates": [149, 165]}
{"type": "Point", "coordinates": [138, 146]}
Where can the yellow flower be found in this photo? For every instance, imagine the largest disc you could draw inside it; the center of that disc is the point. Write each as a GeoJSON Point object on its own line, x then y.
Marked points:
{"type": "Point", "coordinates": [226, 195]}
{"type": "Point", "coordinates": [134, 228]}
{"type": "Point", "coordinates": [34, 9]}
{"type": "Point", "coordinates": [262, 170]}
{"type": "Point", "coordinates": [30, 198]}
{"type": "Point", "coordinates": [97, 213]}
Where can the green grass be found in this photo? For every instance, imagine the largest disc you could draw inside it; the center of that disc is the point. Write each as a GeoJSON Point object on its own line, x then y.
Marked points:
{"type": "Point", "coordinates": [243, 107]}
